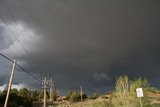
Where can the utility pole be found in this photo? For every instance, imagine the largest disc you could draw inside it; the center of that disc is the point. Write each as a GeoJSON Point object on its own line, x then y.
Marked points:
{"type": "Point", "coordinates": [51, 89]}
{"type": "Point", "coordinates": [10, 83]}
{"type": "Point", "coordinates": [45, 83]}
{"type": "Point", "coordinates": [81, 93]}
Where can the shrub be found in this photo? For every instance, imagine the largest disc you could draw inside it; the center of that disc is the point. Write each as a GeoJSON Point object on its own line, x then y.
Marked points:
{"type": "Point", "coordinates": [124, 95]}
{"type": "Point", "coordinates": [75, 96]}
{"type": "Point", "coordinates": [54, 95]}
{"type": "Point", "coordinates": [94, 96]}
{"type": "Point", "coordinates": [69, 94]}
{"type": "Point", "coordinates": [152, 90]}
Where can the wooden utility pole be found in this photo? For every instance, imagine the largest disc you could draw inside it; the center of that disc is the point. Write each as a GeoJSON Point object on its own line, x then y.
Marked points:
{"type": "Point", "coordinates": [45, 82]}
{"type": "Point", "coordinates": [81, 93]}
{"type": "Point", "coordinates": [10, 83]}
{"type": "Point", "coordinates": [51, 90]}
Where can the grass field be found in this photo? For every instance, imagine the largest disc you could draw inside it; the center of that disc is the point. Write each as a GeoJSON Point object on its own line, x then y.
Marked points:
{"type": "Point", "coordinates": [153, 105]}
{"type": "Point", "coordinates": [94, 103]}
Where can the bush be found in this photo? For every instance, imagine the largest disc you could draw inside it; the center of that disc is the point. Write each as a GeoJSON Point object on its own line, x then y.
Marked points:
{"type": "Point", "coordinates": [75, 96]}
{"type": "Point", "coordinates": [94, 96]}
{"type": "Point", "coordinates": [124, 95]}
{"type": "Point", "coordinates": [84, 96]}
{"type": "Point", "coordinates": [69, 95]}
{"type": "Point", "coordinates": [16, 98]}
{"type": "Point", "coordinates": [152, 90]}
{"type": "Point", "coordinates": [54, 95]}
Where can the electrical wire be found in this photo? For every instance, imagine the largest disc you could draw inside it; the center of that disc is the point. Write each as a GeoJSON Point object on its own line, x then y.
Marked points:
{"type": "Point", "coordinates": [16, 35]}
{"type": "Point", "coordinates": [26, 71]}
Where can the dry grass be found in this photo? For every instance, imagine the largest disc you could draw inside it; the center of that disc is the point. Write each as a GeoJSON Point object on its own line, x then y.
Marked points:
{"type": "Point", "coordinates": [88, 103]}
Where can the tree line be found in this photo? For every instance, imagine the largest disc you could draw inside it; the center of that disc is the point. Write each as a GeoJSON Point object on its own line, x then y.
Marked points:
{"type": "Point", "coordinates": [22, 97]}
{"type": "Point", "coordinates": [124, 94]}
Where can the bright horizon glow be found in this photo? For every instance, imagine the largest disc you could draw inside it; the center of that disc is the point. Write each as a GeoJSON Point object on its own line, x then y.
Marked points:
{"type": "Point", "coordinates": [17, 86]}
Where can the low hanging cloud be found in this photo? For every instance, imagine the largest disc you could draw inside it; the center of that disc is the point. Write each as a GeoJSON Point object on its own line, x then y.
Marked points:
{"type": "Point", "coordinates": [19, 86]}
{"type": "Point", "coordinates": [19, 37]}
{"type": "Point", "coordinates": [100, 77]}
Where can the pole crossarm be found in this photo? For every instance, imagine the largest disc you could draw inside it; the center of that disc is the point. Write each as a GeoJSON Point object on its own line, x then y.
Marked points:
{"type": "Point", "coordinates": [45, 82]}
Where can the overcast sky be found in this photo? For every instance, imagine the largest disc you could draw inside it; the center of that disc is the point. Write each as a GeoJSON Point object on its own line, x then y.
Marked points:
{"type": "Point", "coordinates": [88, 42]}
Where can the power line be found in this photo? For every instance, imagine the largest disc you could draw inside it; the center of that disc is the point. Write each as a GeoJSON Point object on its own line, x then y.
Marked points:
{"type": "Point", "coordinates": [5, 36]}
{"type": "Point", "coordinates": [7, 57]}
{"type": "Point", "coordinates": [15, 37]}
{"type": "Point", "coordinates": [8, 10]}
{"type": "Point", "coordinates": [15, 34]}
{"type": "Point", "coordinates": [27, 72]}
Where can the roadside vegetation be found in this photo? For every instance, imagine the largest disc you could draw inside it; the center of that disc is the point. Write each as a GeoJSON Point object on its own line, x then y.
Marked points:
{"type": "Point", "coordinates": [16, 98]}
{"type": "Point", "coordinates": [22, 97]}
{"type": "Point", "coordinates": [124, 95]}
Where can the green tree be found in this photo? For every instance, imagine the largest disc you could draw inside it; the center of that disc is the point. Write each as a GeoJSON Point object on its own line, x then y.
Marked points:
{"type": "Point", "coordinates": [17, 98]}
{"type": "Point", "coordinates": [84, 96]}
{"type": "Point", "coordinates": [3, 96]}
{"type": "Point", "coordinates": [41, 94]}
{"type": "Point", "coordinates": [54, 95]}
{"type": "Point", "coordinates": [69, 94]}
{"type": "Point", "coordinates": [24, 93]}
{"type": "Point", "coordinates": [15, 91]}
{"type": "Point", "coordinates": [34, 95]}
{"type": "Point", "coordinates": [75, 96]}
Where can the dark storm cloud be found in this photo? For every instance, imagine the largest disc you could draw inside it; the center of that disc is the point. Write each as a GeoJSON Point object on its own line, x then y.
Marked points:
{"type": "Point", "coordinates": [87, 42]}
{"type": "Point", "coordinates": [4, 42]}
